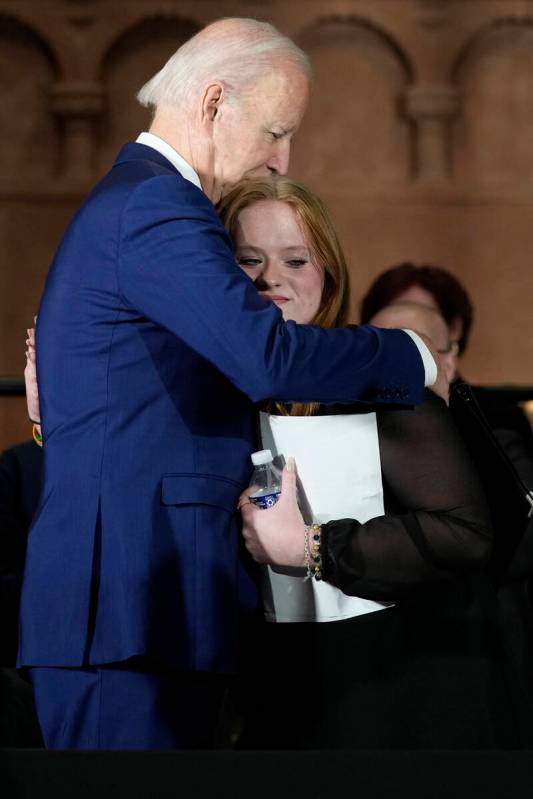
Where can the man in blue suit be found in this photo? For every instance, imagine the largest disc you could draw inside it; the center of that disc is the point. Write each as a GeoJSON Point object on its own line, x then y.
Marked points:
{"type": "Point", "coordinates": [152, 348]}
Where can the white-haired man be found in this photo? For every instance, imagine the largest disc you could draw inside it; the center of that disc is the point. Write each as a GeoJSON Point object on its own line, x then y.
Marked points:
{"type": "Point", "coordinates": [152, 346]}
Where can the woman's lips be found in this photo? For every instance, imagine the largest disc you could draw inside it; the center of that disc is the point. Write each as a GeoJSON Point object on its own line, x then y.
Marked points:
{"type": "Point", "coordinates": [277, 298]}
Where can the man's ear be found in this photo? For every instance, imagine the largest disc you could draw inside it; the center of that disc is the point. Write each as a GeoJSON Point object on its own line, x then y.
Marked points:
{"type": "Point", "coordinates": [212, 99]}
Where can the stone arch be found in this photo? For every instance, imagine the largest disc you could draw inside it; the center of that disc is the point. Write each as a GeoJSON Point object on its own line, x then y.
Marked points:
{"type": "Point", "coordinates": [494, 76]}
{"type": "Point", "coordinates": [347, 27]}
{"type": "Point", "coordinates": [360, 77]}
{"type": "Point", "coordinates": [131, 59]}
{"type": "Point", "coordinates": [29, 67]}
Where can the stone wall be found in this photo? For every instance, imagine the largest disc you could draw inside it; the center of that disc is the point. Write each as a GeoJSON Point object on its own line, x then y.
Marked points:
{"type": "Point", "coordinates": [419, 136]}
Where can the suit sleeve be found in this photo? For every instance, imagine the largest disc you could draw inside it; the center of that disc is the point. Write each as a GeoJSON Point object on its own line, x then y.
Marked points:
{"type": "Point", "coordinates": [176, 267]}
{"type": "Point", "coordinates": [441, 528]}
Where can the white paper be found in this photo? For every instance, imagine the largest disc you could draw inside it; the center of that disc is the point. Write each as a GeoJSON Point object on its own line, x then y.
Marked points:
{"type": "Point", "coordinates": [339, 470]}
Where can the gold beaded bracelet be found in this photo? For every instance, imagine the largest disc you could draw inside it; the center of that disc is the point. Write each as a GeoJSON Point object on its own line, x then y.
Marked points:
{"type": "Point", "coordinates": [312, 553]}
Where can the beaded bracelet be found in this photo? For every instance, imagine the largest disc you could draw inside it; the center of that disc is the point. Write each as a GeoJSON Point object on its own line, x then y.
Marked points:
{"type": "Point", "coordinates": [37, 437]}
{"type": "Point", "coordinates": [312, 554]}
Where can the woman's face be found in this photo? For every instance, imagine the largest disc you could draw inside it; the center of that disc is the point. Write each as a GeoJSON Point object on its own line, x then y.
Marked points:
{"type": "Point", "coordinates": [450, 354]}
{"type": "Point", "coordinates": [272, 249]}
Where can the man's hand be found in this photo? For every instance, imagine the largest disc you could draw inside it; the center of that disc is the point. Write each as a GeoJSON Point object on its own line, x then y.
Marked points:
{"type": "Point", "coordinates": [30, 378]}
{"type": "Point", "coordinates": [275, 535]}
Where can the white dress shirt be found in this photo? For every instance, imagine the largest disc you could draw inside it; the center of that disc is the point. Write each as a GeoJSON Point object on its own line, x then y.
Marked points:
{"type": "Point", "coordinates": [177, 161]}
{"type": "Point", "coordinates": [430, 367]}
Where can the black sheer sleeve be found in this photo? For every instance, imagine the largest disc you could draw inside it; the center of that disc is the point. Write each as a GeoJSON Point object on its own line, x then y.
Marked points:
{"type": "Point", "coordinates": [441, 528]}
{"type": "Point", "coordinates": [518, 448]}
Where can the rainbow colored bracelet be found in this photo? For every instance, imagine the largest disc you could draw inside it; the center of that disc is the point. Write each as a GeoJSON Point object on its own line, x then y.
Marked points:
{"type": "Point", "coordinates": [37, 437]}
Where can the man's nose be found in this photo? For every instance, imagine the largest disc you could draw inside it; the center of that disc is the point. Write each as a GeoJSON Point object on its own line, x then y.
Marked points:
{"type": "Point", "coordinates": [279, 161]}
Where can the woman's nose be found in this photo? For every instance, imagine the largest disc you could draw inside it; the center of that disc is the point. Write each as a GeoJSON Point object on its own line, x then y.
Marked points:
{"type": "Point", "coordinates": [269, 276]}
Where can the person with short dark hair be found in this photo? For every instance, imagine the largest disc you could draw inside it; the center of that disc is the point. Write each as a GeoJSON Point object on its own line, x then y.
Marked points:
{"type": "Point", "coordinates": [428, 285]}
{"type": "Point", "coordinates": [435, 287]}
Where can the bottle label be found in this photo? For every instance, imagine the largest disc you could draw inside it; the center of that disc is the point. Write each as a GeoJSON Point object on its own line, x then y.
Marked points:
{"type": "Point", "coordinates": [265, 501]}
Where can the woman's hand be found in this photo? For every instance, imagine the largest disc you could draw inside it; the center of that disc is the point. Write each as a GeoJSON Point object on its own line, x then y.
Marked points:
{"type": "Point", "coordinates": [30, 378]}
{"type": "Point", "coordinates": [275, 535]}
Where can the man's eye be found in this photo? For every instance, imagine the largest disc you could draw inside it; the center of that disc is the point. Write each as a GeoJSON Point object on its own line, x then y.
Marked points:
{"type": "Point", "coordinates": [296, 263]}
{"type": "Point", "coordinates": [275, 135]}
{"type": "Point", "coordinates": [248, 261]}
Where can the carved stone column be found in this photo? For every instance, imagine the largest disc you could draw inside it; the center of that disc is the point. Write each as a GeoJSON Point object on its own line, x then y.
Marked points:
{"type": "Point", "coordinates": [432, 107]}
{"type": "Point", "coordinates": [78, 104]}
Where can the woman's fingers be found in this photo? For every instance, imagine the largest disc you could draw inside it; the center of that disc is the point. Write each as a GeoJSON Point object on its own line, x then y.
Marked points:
{"type": "Point", "coordinates": [249, 513]}
{"type": "Point", "coordinates": [30, 345]}
{"type": "Point", "coordinates": [30, 377]}
{"type": "Point", "coordinates": [244, 498]}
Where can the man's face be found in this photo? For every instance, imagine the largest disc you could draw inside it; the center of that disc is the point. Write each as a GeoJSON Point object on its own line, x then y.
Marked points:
{"type": "Point", "coordinates": [252, 137]}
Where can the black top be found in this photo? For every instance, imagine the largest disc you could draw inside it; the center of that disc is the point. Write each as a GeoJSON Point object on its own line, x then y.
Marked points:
{"type": "Point", "coordinates": [437, 525]}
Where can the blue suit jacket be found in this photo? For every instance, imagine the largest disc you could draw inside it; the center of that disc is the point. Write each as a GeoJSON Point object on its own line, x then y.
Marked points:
{"type": "Point", "coordinates": [152, 347]}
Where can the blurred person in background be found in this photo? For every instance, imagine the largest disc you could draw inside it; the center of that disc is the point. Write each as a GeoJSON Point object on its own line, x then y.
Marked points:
{"type": "Point", "coordinates": [436, 288]}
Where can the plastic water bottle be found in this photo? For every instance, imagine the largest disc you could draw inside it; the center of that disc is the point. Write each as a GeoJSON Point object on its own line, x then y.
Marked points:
{"type": "Point", "coordinates": [267, 478]}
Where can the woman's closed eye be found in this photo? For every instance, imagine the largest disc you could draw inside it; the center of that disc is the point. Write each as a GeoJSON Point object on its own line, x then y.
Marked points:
{"type": "Point", "coordinates": [296, 263]}
{"type": "Point", "coordinates": [248, 260]}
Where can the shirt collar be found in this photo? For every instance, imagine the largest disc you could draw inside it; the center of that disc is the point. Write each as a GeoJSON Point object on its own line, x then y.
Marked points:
{"type": "Point", "coordinates": [185, 169]}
